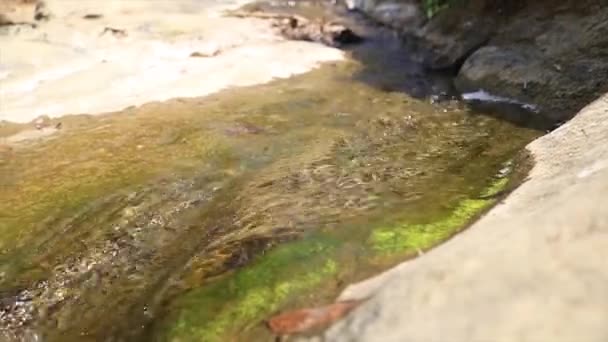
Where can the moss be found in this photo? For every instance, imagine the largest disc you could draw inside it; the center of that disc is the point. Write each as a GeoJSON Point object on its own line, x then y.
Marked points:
{"type": "Point", "coordinates": [496, 187]}
{"type": "Point", "coordinates": [432, 7]}
{"type": "Point", "coordinates": [412, 237]}
{"type": "Point", "coordinates": [236, 303]}
{"type": "Point", "coordinates": [415, 237]}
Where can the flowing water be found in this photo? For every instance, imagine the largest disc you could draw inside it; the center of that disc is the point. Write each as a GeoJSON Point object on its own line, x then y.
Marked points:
{"type": "Point", "coordinates": [196, 219]}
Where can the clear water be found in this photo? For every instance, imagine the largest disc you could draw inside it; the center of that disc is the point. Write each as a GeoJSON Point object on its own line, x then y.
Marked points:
{"type": "Point", "coordinates": [196, 219]}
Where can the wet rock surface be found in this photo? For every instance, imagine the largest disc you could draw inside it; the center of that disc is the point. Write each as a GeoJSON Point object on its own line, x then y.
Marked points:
{"type": "Point", "coordinates": [400, 15]}
{"type": "Point", "coordinates": [448, 39]}
{"type": "Point", "coordinates": [548, 54]}
{"type": "Point", "coordinates": [558, 63]}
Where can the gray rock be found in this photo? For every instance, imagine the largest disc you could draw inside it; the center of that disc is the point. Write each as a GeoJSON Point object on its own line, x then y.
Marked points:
{"type": "Point", "coordinates": [558, 63]}
{"type": "Point", "coordinates": [397, 14]}
{"type": "Point", "coordinates": [518, 73]}
{"type": "Point", "coordinates": [354, 4]}
{"type": "Point", "coordinates": [448, 41]}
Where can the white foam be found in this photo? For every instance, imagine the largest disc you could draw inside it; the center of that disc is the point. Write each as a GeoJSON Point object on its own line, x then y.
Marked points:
{"type": "Point", "coordinates": [484, 96]}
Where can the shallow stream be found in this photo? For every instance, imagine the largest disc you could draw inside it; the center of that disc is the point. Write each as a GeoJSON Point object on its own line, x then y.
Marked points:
{"type": "Point", "coordinates": [196, 219]}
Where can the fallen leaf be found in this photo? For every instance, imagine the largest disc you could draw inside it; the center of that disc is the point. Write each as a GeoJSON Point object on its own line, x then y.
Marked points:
{"type": "Point", "coordinates": [305, 320]}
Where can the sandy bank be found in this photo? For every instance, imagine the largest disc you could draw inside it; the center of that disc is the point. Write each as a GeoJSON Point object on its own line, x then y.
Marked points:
{"type": "Point", "coordinates": [533, 269]}
{"type": "Point", "coordinates": [69, 65]}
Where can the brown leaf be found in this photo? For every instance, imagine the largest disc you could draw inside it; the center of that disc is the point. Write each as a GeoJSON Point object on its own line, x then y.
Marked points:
{"type": "Point", "coordinates": [305, 320]}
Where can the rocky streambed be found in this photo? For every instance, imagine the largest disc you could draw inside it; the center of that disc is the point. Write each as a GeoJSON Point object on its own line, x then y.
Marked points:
{"type": "Point", "coordinates": [197, 219]}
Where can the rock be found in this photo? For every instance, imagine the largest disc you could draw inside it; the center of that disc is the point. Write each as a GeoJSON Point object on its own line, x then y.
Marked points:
{"type": "Point", "coordinates": [450, 37]}
{"type": "Point", "coordinates": [393, 13]}
{"type": "Point", "coordinates": [440, 43]}
{"type": "Point", "coordinates": [92, 16]}
{"type": "Point", "coordinates": [41, 122]}
{"type": "Point", "coordinates": [119, 33]}
{"type": "Point", "coordinates": [21, 12]}
{"type": "Point", "coordinates": [558, 63]}
{"type": "Point", "coordinates": [354, 4]}
{"type": "Point", "coordinates": [200, 54]}
{"type": "Point", "coordinates": [335, 34]}
{"type": "Point", "coordinates": [296, 27]}
{"type": "Point", "coordinates": [398, 14]}
{"type": "Point", "coordinates": [516, 72]}
{"type": "Point", "coordinates": [328, 33]}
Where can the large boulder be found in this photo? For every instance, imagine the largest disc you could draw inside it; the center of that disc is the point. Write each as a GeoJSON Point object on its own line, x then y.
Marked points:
{"type": "Point", "coordinates": [450, 37]}
{"type": "Point", "coordinates": [558, 63]}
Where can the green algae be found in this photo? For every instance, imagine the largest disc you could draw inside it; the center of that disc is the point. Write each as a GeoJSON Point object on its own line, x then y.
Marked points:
{"type": "Point", "coordinates": [417, 237]}
{"type": "Point", "coordinates": [499, 185]}
{"type": "Point", "coordinates": [423, 236]}
{"type": "Point", "coordinates": [231, 305]}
